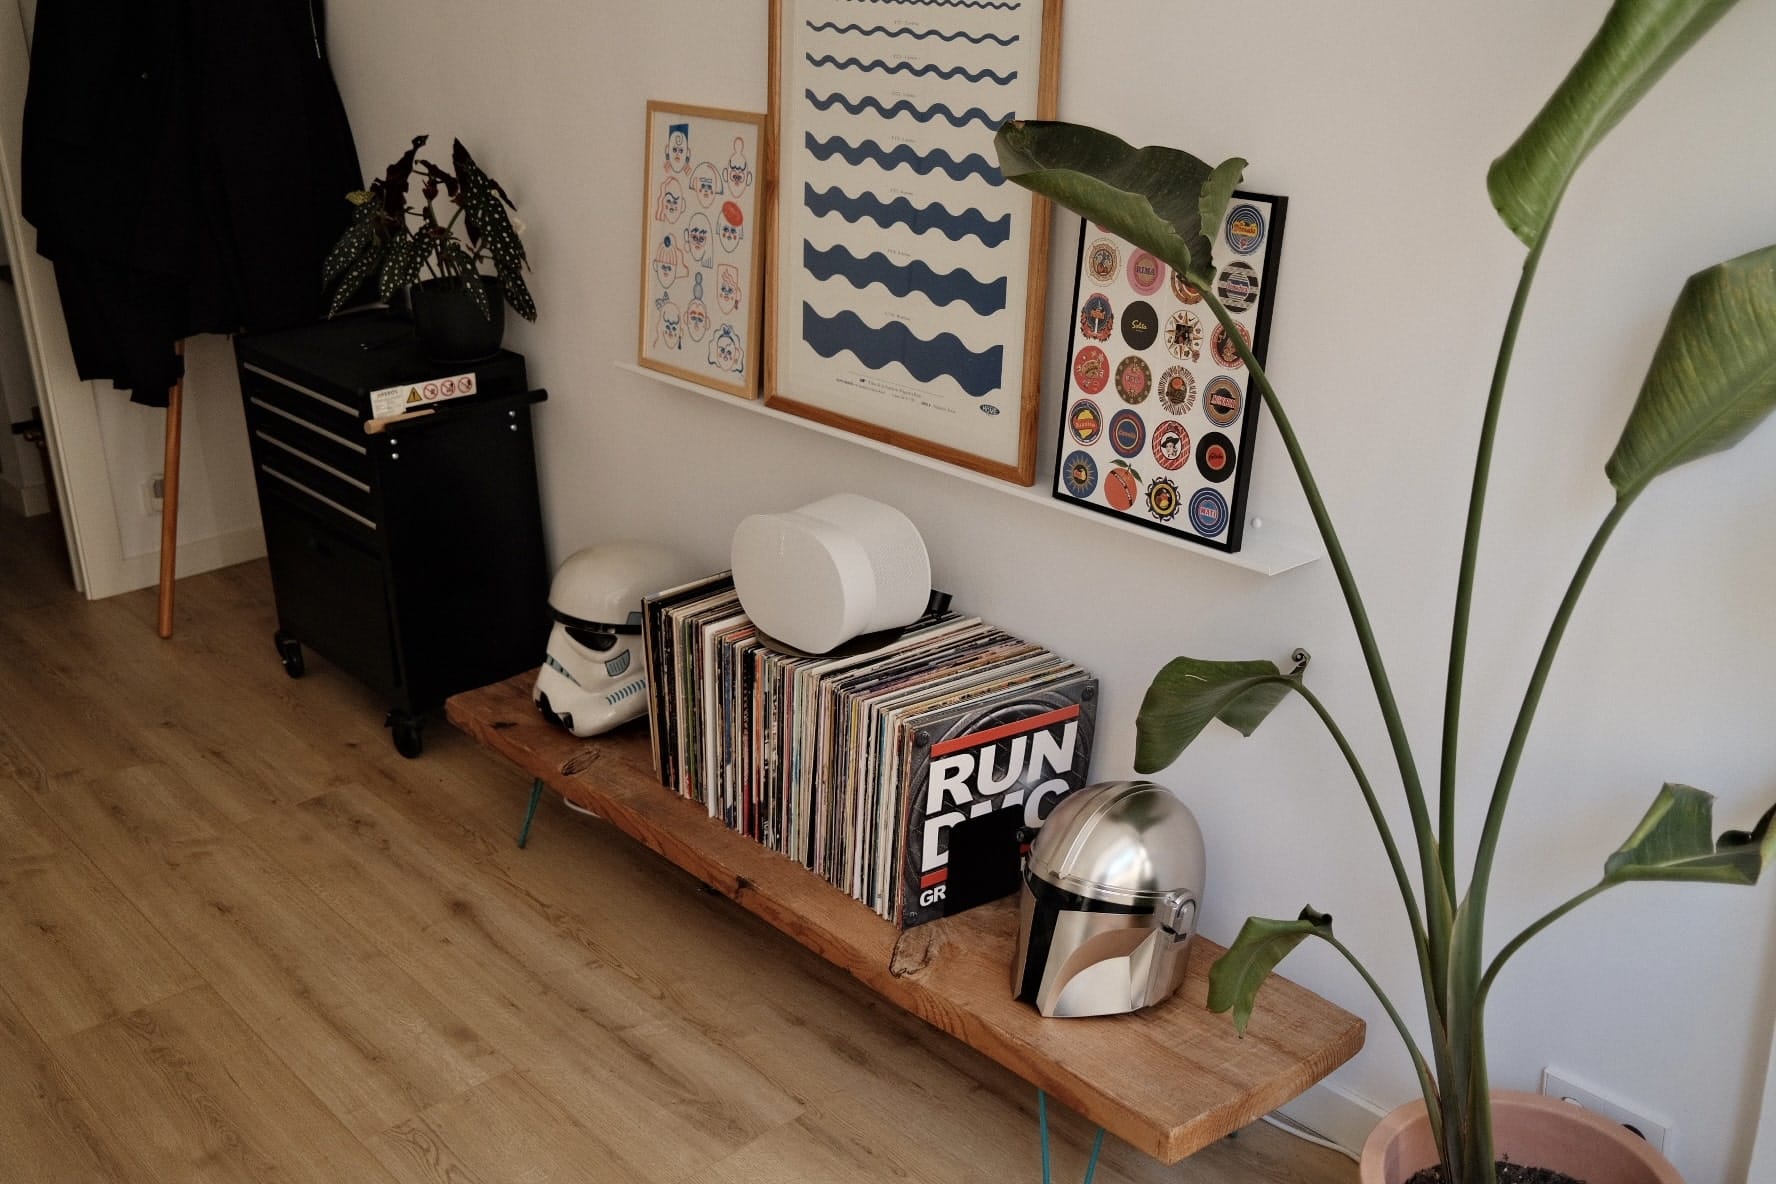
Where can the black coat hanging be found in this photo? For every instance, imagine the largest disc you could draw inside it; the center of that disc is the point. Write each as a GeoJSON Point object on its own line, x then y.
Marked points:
{"type": "Point", "coordinates": [185, 164]}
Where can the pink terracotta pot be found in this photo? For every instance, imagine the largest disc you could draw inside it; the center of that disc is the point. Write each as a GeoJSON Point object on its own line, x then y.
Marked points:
{"type": "Point", "coordinates": [1528, 1129]}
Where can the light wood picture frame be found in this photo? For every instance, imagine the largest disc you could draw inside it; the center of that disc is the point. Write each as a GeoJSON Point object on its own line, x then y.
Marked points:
{"type": "Point", "coordinates": [908, 278]}
{"type": "Point", "coordinates": [703, 251]}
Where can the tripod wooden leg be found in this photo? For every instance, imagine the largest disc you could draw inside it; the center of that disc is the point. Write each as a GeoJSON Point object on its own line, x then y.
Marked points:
{"type": "Point", "coordinates": [169, 506]}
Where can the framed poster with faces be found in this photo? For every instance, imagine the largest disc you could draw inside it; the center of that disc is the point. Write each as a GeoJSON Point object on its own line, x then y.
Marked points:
{"type": "Point", "coordinates": [1158, 421]}
{"type": "Point", "coordinates": [701, 259]}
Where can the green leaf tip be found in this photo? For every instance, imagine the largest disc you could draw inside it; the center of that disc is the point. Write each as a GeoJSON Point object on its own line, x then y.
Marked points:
{"type": "Point", "coordinates": [1262, 943]}
{"type": "Point", "coordinates": [1153, 197]}
{"type": "Point", "coordinates": [1673, 842]}
{"type": "Point", "coordinates": [1637, 43]}
{"type": "Point", "coordinates": [1188, 693]}
{"type": "Point", "coordinates": [1713, 376]}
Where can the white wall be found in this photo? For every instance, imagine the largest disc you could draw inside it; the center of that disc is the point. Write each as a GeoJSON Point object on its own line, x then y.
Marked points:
{"type": "Point", "coordinates": [1379, 121]}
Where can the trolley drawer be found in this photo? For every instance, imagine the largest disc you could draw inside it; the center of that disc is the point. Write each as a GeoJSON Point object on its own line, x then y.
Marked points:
{"type": "Point", "coordinates": [331, 594]}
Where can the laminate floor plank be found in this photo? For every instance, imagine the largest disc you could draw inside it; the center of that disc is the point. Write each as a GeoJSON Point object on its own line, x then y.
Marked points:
{"type": "Point", "coordinates": [224, 741]}
{"type": "Point", "coordinates": [47, 1134]}
{"type": "Point", "coordinates": [26, 829]}
{"type": "Point", "coordinates": [242, 940]}
{"type": "Point", "coordinates": [74, 951]}
{"type": "Point", "coordinates": [373, 1044]}
{"type": "Point", "coordinates": [504, 1130]}
{"type": "Point", "coordinates": [597, 1034]}
{"type": "Point", "coordinates": [439, 915]}
{"type": "Point", "coordinates": [197, 1098]}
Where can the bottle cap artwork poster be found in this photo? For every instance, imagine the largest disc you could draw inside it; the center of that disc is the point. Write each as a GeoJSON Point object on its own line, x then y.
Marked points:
{"type": "Point", "coordinates": [1159, 422]}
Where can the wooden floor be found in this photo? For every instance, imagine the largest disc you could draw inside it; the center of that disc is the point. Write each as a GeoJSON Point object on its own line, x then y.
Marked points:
{"type": "Point", "coordinates": [242, 940]}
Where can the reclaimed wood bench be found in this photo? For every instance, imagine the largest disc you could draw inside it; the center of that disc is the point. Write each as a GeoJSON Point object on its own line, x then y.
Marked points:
{"type": "Point", "coordinates": [1169, 1080]}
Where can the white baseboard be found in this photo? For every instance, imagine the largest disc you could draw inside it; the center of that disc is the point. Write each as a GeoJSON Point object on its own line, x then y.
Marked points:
{"type": "Point", "coordinates": [1335, 1113]}
{"type": "Point", "coordinates": [27, 501]}
{"type": "Point", "coordinates": [195, 557]}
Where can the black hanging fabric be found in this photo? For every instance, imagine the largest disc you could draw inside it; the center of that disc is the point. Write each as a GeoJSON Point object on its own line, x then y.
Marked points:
{"type": "Point", "coordinates": [185, 165]}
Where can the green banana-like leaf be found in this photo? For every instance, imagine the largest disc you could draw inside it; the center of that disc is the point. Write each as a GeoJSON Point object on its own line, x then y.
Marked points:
{"type": "Point", "coordinates": [1713, 378]}
{"type": "Point", "coordinates": [1188, 693]}
{"type": "Point", "coordinates": [1262, 943]}
{"type": "Point", "coordinates": [1673, 842]}
{"type": "Point", "coordinates": [1160, 199]}
{"type": "Point", "coordinates": [1638, 42]}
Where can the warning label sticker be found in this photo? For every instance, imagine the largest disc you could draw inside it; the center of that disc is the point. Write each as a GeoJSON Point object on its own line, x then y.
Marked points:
{"type": "Point", "coordinates": [412, 396]}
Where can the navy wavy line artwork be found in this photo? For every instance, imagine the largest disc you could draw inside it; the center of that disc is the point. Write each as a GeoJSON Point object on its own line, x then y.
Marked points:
{"type": "Point", "coordinates": [877, 65]}
{"type": "Point", "coordinates": [978, 374]}
{"type": "Point", "coordinates": [1003, 7]}
{"type": "Point", "coordinates": [903, 212]}
{"type": "Point", "coordinates": [985, 298]}
{"type": "Point", "coordinates": [937, 160]}
{"type": "Point", "coordinates": [915, 34]}
{"type": "Point", "coordinates": [906, 107]}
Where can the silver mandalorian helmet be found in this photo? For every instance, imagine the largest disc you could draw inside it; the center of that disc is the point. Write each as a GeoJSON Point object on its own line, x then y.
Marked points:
{"type": "Point", "coordinates": [1112, 886]}
{"type": "Point", "coordinates": [593, 676]}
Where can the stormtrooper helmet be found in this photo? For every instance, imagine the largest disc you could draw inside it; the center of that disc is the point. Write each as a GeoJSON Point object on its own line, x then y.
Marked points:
{"type": "Point", "coordinates": [593, 677]}
{"type": "Point", "coordinates": [1111, 890]}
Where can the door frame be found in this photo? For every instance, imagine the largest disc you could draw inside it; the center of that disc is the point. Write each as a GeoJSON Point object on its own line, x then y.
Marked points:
{"type": "Point", "coordinates": [68, 404]}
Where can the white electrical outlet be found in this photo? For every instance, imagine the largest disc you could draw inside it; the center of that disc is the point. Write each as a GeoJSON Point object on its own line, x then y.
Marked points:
{"type": "Point", "coordinates": [154, 494]}
{"type": "Point", "coordinates": [1557, 1083]}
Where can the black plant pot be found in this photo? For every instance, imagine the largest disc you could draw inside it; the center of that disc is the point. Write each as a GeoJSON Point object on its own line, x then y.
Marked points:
{"type": "Point", "coordinates": [450, 325]}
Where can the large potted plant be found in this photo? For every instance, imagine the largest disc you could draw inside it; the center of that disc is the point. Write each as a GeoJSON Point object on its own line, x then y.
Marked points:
{"type": "Point", "coordinates": [436, 254]}
{"type": "Point", "coordinates": [1713, 380]}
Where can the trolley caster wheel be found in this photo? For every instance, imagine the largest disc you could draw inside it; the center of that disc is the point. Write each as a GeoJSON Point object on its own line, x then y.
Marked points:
{"type": "Point", "coordinates": [290, 652]}
{"type": "Point", "coordinates": [409, 733]}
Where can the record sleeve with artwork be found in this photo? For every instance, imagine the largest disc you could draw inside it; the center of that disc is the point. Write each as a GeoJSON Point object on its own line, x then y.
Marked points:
{"type": "Point", "coordinates": [907, 774]}
{"type": "Point", "coordinates": [1159, 418]}
{"type": "Point", "coordinates": [982, 776]}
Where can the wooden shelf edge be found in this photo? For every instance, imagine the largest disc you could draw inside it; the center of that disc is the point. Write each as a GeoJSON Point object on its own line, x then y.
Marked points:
{"type": "Point", "coordinates": [1270, 549]}
{"type": "Point", "coordinates": [911, 968]}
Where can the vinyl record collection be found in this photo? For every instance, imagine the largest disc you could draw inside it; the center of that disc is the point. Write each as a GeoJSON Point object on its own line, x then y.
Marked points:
{"type": "Point", "coordinates": [908, 774]}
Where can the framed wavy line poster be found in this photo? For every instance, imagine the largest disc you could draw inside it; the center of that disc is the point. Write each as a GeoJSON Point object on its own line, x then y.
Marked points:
{"type": "Point", "coordinates": [907, 278]}
{"type": "Point", "coordinates": [701, 261]}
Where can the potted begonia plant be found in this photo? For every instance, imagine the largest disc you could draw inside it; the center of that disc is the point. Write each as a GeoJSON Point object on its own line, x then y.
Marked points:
{"type": "Point", "coordinates": [435, 251]}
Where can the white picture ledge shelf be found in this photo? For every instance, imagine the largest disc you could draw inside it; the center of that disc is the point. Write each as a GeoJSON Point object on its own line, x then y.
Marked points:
{"type": "Point", "coordinates": [1269, 548]}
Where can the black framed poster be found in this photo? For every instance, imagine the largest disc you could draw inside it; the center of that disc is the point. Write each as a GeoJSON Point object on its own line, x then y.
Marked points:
{"type": "Point", "coordinates": [1158, 423]}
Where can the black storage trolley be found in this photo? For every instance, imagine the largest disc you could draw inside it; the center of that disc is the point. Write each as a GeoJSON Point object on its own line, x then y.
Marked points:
{"type": "Point", "coordinates": [411, 558]}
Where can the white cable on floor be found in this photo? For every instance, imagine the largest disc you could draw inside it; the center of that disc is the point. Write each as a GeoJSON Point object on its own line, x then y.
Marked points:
{"type": "Point", "coordinates": [1290, 1127]}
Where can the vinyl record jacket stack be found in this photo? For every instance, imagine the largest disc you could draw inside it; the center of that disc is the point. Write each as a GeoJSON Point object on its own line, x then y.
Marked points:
{"type": "Point", "coordinates": [908, 774]}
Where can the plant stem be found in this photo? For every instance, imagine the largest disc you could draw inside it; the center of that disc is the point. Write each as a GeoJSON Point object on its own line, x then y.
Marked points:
{"type": "Point", "coordinates": [1464, 587]}
{"type": "Point", "coordinates": [1438, 898]}
{"type": "Point", "coordinates": [1522, 939]}
{"type": "Point", "coordinates": [1532, 697]}
{"type": "Point", "coordinates": [1425, 1082]}
{"type": "Point", "coordinates": [1381, 825]}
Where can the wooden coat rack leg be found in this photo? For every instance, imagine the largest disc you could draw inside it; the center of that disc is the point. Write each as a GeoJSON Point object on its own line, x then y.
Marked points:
{"type": "Point", "coordinates": [169, 504]}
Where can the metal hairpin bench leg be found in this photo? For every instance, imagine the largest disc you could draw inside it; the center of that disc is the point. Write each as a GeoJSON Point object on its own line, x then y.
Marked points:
{"type": "Point", "coordinates": [530, 812]}
{"type": "Point", "coordinates": [1091, 1167]}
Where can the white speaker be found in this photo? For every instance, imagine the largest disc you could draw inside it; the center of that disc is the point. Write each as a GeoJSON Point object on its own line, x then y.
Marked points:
{"type": "Point", "coordinates": [845, 565]}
